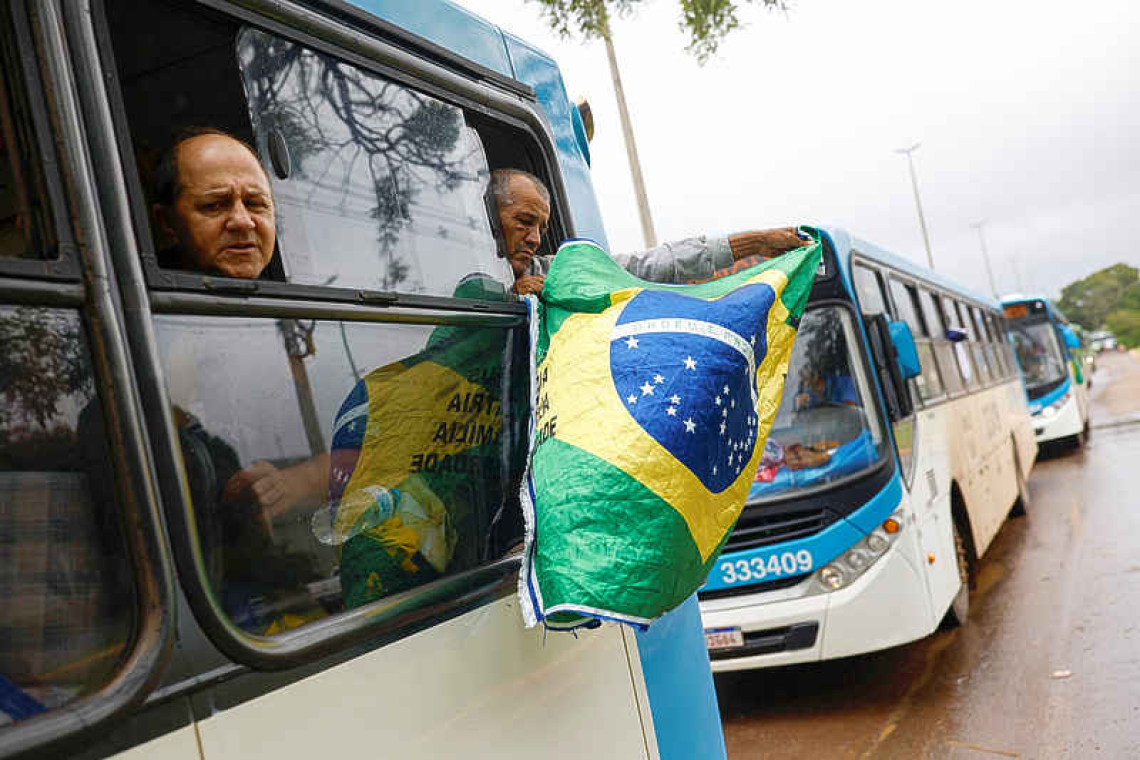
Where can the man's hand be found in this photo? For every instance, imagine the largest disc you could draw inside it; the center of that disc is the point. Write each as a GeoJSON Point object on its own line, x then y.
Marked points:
{"type": "Point", "coordinates": [529, 284]}
{"type": "Point", "coordinates": [276, 491]}
{"type": "Point", "coordinates": [765, 243]}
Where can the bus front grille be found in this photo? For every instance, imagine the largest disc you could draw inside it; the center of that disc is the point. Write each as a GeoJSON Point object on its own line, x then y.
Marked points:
{"type": "Point", "coordinates": [767, 525]}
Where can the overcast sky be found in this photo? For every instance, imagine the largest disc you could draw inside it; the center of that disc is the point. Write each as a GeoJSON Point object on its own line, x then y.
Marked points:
{"type": "Point", "coordinates": [1028, 114]}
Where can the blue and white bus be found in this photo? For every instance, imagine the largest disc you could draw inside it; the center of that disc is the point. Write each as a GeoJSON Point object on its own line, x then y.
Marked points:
{"type": "Point", "coordinates": [1053, 369]}
{"type": "Point", "coordinates": [901, 444]}
{"type": "Point", "coordinates": [148, 607]}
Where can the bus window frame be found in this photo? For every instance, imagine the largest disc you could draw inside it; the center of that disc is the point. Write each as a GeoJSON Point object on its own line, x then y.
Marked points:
{"type": "Point", "coordinates": [143, 664]}
{"type": "Point", "coordinates": [26, 76]}
{"type": "Point", "coordinates": [391, 618]}
{"type": "Point", "coordinates": [912, 288]}
{"type": "Point", "coordinates": [516, 107]}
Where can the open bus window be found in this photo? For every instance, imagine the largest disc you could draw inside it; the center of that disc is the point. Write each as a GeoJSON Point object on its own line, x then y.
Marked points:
{"type": "Point", "coordinates": [66, 600]}
{"type": "Point", "coordinates": [827, 426]}
{"type": "Point", "coordinates": [332, 464]}
{"type": "Point", "coordinates": [24, 231]}
{"type": "Point", "coordinates": [378, 186]}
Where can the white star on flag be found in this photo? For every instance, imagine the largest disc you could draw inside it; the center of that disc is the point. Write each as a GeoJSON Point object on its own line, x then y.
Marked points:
{"type": "Point", "coordinates": [631, 342]}
{"type": "Point", "coordinates": [717, 400]}
{"type": "Point", "coordinates": [647, 390]}
{"type": "Point", "coordinates": [671, 411]}
{"type": "Point", "coordinates": [658, 379]}
{"type": "Point", "coordinates": [631, 398]}
{"type": "Point", "coordinates": [674, 399]}
{"type": "Point", "coordinates": [690, 363]}
{"type": "Point", "coordinates": [690, 426]}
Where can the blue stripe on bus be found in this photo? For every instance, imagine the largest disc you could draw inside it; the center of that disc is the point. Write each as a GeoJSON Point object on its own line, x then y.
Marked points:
{"type": "Point", "coordinates": [1037, 405]}
{"type": "Point", "coordinates": [824, 546]}
{"type": "Point", "coordinates": [678, 679]}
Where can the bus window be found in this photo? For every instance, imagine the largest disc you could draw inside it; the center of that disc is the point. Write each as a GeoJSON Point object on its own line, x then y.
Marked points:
{"type": "Point", "coordinates": [827, 426]}
{"type": "Point", "coordinates": [334, 463]}
{"type": "Point", "coordinates": [986, 348]}
{"type": "Point", "coordinates": [385, 189]}
{"type": "Point", "coordinates": [998, 344]}
{"type": "Point", "coordinates": [66, 599]}
{"type": "Point", "coordinates": [25, 231]}
{"type": "Point", "coordinates": [953, 320]}
{"type": "Point", "coordinates": [869, 289]}
{"type": "Point", "coordinates": [929, 384]}
{"type": "Point", "coordinates": [943, 350]}
{"type": "Point", "coordinates": [978, 340]}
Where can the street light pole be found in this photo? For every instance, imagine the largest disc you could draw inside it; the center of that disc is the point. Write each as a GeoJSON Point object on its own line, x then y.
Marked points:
{"type": "Point", "coordinates": [917, 201]}
{"type": "Point", "coordinates": [986, 254]}
{"type": "Point", "coordinates": [631, 147]}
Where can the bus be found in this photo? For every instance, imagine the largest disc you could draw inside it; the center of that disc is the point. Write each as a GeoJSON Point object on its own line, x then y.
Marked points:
{"type": "Point", "coordinates": [150, 605]}
{"type": "Point", "coordinates": [1053, 368]}
{"type": "Point", "coordinates": [901, 444]}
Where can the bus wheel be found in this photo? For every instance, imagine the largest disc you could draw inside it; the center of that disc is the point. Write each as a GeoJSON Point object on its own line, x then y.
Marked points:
{"type": "Point", "coordinates": [1021, 504]}
{"type": "Point", "coordinates": [960, 605]}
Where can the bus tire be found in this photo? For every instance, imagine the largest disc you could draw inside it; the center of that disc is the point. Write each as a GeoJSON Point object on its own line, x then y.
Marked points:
{"type": "Point", "coordinates": [1021, 503]}
{"type": "Point", "coordinates": [959, 610]}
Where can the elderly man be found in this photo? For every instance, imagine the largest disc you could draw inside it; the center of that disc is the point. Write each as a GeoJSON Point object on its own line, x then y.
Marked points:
{"type": "Point", "coordinates": [524, 209]}
{"type": "Point", "coordinates": [215, 203]}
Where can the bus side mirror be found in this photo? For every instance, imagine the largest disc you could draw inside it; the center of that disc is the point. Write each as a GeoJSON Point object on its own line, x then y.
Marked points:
{"type": "Point", "coordinates": [906, 354]}
{"type": "Point", "coordinates": [1070, 337]}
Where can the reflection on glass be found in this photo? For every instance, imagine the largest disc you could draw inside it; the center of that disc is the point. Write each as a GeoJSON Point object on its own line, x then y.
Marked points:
{"type": "Point", "coordinates": [1039, 355]}
{"type": "Point", "coordinates": [332, 464]}
{"type": "Point", "coordinates": [826, 427]}
{"type": "Point", "coordinates": [66, 605]}
{"type": "Point", "coordinates": [386, 183]}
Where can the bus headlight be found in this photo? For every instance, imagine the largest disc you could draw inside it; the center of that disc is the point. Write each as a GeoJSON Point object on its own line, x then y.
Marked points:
{"type": "Point", "coordinates": [1055, 407]}
{"type": "Point", "coordinates": [844, 569]}
{"type": "Point", "coordinates": [831, 577]}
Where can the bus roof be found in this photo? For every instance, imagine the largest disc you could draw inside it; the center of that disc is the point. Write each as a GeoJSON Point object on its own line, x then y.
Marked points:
{"type": "Point", "coordinates": [845, 244]}
{"type": "Point", "coordinates": [450, 26]}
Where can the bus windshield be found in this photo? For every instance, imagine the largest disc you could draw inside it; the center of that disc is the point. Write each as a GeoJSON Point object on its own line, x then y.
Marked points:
{"type": "Point", "coordinates": [827, 426]}
{"type": "Point", "coordinates": [1039, 355]}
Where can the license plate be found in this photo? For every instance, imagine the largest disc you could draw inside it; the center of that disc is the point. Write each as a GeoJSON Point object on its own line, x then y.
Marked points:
{"type": "Point", "coordinates": [723, 638]}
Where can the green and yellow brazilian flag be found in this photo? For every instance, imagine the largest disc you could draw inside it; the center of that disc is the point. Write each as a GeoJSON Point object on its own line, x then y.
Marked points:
{"type": "Point", "coordinates": [651, 405]}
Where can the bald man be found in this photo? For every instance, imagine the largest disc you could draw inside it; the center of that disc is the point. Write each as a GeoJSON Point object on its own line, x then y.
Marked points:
{"type": "Point", "coordinates": [523, 204]}
{"type": "Point", "coordinates": [214, 200]}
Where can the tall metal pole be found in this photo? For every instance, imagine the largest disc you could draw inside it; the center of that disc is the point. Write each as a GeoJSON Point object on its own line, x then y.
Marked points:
{"type": "Point", "coordinates": [1017, 274]}
{"type": "Point", "coordinates": [986, 254]}
{"type": "Point", "coordinates": [631, 148]}
{"type": "Point", "coordinates": [918, 201]}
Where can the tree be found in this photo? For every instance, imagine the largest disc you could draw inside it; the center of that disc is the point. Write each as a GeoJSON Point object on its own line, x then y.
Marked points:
{"type": "Point", "coordinates": [705, 21]}
{"type": "Point", "coordinates": [1089, 301]}
{"type": "Point", "coordinates": [1124, 319]}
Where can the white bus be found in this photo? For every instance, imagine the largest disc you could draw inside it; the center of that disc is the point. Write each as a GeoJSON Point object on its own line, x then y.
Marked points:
{"type": "Point", "coordinates": [901, 444]}
{"type": "Point", "coordinates": [1051, 359]}
{"type": "Point", "coordinates": [149, 608]}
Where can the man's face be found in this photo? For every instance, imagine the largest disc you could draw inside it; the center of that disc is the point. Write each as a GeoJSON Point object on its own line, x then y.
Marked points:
{"type": "Point", "coordinates": [523, 219]}
{"type": "Point", "coordinates": [223, 217]}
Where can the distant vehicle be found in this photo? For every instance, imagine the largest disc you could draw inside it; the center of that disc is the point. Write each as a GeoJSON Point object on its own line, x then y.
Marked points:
{"type": "Point", "coordinates": [1051, 358]}
{"type": "Point", "coordinates": [901, 443]}
{"type": "Point", "coordinates": [1102, 340]}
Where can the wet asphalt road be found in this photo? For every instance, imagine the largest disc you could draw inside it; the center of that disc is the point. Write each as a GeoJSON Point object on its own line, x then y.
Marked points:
{"type": "Point", "coordinates": [1048, 665]}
